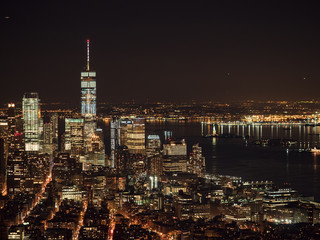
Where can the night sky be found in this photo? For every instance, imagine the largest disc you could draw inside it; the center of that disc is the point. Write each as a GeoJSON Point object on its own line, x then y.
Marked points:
{"type": "Point", "coordinates": [161, 50]}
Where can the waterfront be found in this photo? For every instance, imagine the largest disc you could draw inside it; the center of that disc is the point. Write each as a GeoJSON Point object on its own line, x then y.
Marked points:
{"type": "Point", "coordinates": [231, 156]}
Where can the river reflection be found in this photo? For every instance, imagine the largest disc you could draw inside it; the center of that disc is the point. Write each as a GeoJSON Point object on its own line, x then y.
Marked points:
{"type": "Point", "coordinates": [231, 156]}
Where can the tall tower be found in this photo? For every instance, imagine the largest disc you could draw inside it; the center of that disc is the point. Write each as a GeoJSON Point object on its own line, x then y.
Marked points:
{"type": "Point", "coordinates": [114, 138]}
{"type": "Point", "coordinates": [88, 89]}
{"type": "Point", "coordinates": [11, 127]}
{"type": "Point", "coordinates": [3, 167]}
{"type": "Point", "coordinates": [88, 100]}
{"type": "Point", "coordinates": [31, 118]}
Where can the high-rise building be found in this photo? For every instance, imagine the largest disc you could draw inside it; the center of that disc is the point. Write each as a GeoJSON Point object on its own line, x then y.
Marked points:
{"type": "Point", "coordinates": [88, 100]}
{"type": "Point", "coordinates": [47, 135]}
{"type": "Point", "coordinates": [16, 172]}
{"type": "Point", "coordinates": [123, 161]}
{"type": "Point", "coordinates": [175, 156]}
{"type": "Point", "coordinates": [4, 127]}
{"type": "Point", "coordinates": [11, 113]}
{"type": "Point", "coordinates": [55, 130]}
{"type": "Point", "coordinates": [114, 138]}
{"type": "Point", "coordinates": [74, 136]}
{"type": "Point", "coordinates": [154, 156]}
{"type": "Point", "coordinates": [3, 167]}
{"type": "Point", "coordinates": [154, 160]}
{"type": "Point", "coordinates": [175, 148]}
{"type": "Point", "coordinates": [88, 89]}
{"type": "Point", "coordinates": [124, 123]}
{"type": "Point", "coordinates": [31, 117]}
{"type": "Point", "coordinates": [153, 144]}
{"type": "Point", "coordinates": [136, 136]}
{"type": "Point", "coordinates": [197, 163]}
{"type": "Point", "coordinates": [3, 153]}
{"type": "Point", "coordinates": [96, 153]}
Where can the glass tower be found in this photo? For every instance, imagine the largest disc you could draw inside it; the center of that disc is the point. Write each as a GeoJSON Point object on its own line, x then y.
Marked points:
{"type": "Point", "coordinates": [88, 102]}
{"type": "Point", "coordinates": [88, 94]}
{"type": "Point", "coordinates": [31, 118]}
{"type": "Point", "coordinates": [88, 90]}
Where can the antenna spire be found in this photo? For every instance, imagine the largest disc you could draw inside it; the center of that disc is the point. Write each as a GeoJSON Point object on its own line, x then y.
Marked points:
{"type": "Point", "coordinates": [88, 54]}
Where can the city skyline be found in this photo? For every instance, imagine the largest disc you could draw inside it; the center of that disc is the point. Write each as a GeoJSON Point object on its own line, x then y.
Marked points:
{"type": "Point", "coordinates": [188, 120]}
{"type": "Point", "coordinates": [152, 52]}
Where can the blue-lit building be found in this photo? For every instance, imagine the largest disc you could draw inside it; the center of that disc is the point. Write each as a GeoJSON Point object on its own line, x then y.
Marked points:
{"type": "Point", "coordinates": [88, 102]}
{"type": "Point", "coordinates": [88, 90]}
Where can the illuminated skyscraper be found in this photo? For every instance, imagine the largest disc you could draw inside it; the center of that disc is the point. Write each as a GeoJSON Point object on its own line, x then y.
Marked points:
{"type": "Point", "coordinates": [136, 136]}
{"type": "Point", "coordinates": [114, 138]}
{"type": "Point", "coordinates": [3, 167]}
{"type": "Point", "coordinates": [88, 100]}
{"type": "Point", "coordinates": [47, 145]}
{"type": "Point", "coordinates": [153, 145]}
{"type": "Point", "coordinates": [124, 123]}
{"type": "Point", "coordinates": [197, 163]}
{"type": "Point", "coordinates": [175, 156]}
{"type": "Point", "coordinates": [154, 160]}
{"type": "Point", "coordinates": [16, 171]}
{"type": "Point", "coordinates": [74, 136]}
{"type": "Point", "coordinates": [88, 89]}
{"type": "Point", "coordinates": [31, 118]}
{"type": "Point", "coordinates": [11, 127]}
{"type": "Point", "coordinates": [132, 135]}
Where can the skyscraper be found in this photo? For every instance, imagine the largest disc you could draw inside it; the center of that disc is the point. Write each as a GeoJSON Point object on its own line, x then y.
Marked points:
{"type": "Point", "coordinates": [114, 138]}
{"type": "Point", "coordinates": [136, 136]}
{"type": "Point", "coordinates": [88, 89]}
{"type": "Point", "coordinates": [73, 136]}
{"type": "Point", "coordinates": [3, 167]}
{"type": "Point", "coordinates": [31, 118]}
{"type": "Point", "coordinates": [154, 160]}
{"type": "Point", "coordinates": [197, 163]}
{"type": "Point", "coordinates": [47, 146]}
{"type": "Point", "coordinates": [175, 156]}
{"type": "Point", "coordinates": [11, 127]}
{"type": "Point", "coordinates": [88, 100]}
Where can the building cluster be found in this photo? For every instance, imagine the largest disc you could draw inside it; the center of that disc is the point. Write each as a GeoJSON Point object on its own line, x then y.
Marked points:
{"type": "Point", "coordinates": [56, 182]}
{"type": "Point", "coordinates": [244, 111]}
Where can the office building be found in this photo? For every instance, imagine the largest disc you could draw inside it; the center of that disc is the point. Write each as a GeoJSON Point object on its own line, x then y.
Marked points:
{"type": "Point", "coordinates": [11, 113]}
{"type": "Point", "coordinates": [55, 130]}
{"type": "Point", "coordinates": [123, 161]}
{"type": "Point", "coordinates": [96, 153]}
{"type": "Point", "coordinates": [74, 136]}
{"type": "Point", "coordinates": [136, 136]}
{"type": "Point", "coordinates": [175, 156]}
{"type": "Point", "coordinates": [154, 160]}
{"type": "Point", "coordinates": [4, 127]}
{"type": "Point", "coordinates": [197, 163]}
{"type": "Point", "coordinates": [114, 138]}
{"type": "Point", "coordinates": [153, 145]}
{"type": "Point", "coordinates": [124, 123]}
{"type": "Point", "coordinates": [3, 168]}
{"type": "Point", "coordinates": [16, 171]}
{"type": "Point", "coordinates": [31, 118]}
{"type": "Point", "coordinates": [47, 144]}
{"type": "Point", "coordinates": [88, 100]}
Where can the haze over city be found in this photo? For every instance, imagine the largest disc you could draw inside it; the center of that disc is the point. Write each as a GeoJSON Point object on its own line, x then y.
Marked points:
{"type": "Point", "coordinates": [173, 51]}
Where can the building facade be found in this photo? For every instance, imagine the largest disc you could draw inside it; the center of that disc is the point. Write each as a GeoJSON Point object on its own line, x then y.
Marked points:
{"type": "Point", "coordinates": [31, 118]}
{"type": "Point", "coordinates": [88, 100]}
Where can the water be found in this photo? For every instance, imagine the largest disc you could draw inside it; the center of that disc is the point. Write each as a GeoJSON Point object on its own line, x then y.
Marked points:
{"type": "Point", "coordinates": [231, 156]}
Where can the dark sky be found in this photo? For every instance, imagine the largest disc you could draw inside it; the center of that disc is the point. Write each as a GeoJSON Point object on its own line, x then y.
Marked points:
{"type": "Point", "coordinates": [161, 50]}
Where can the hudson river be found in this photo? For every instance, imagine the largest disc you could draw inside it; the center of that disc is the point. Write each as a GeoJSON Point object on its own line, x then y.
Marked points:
{"type": "Point", "coordinates": [232, 156]}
